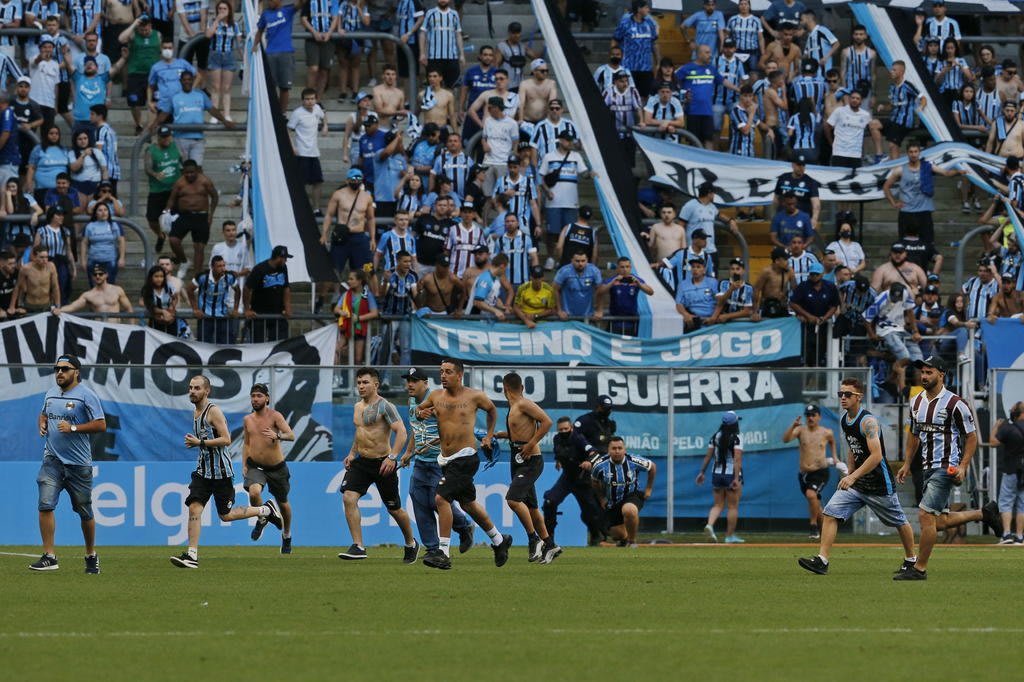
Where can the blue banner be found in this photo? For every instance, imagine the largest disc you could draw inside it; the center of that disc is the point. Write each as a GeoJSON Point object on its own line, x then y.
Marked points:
{"type": "Point", "coordinates": [1004, 343]}
{"type": "Point", "coordinates": [574, 343]}
{"type": "Point", "coordinates": [144, 504]}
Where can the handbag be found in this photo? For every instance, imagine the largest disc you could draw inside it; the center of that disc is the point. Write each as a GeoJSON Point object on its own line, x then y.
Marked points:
{"type": "Point", "coordinates": [551, 177]}
{"type": "Point", "coordinates": [340, 233]}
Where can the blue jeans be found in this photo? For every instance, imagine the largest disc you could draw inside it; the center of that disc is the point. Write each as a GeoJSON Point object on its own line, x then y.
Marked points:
{"type": "Point", "coordinates": [54, 476]}
{"type": "Point", "coordinates": [422, 489]}
{"type": "Point", "coordinates": [937, 486]}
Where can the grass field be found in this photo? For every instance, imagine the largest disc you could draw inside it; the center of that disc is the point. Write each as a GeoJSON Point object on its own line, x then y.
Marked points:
{"type": "Point", "coordinates": [654, 613]}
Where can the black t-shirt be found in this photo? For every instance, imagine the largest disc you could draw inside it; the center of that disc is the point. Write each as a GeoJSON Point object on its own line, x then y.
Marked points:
{"type": "Point", "coordinates": [578, 239]}
{"type": "Point", "coordinates": [920, 253]}
{"type": "Point", "coordinates": [268, 285]}
{"type": "Point", "coordinates": [1012, 454]}
{"type": "Point", "coordinates": [7, 288]}
{"type": "Point", "coordinates": [805, 188]}
{"type": "Point", "coordinates": [431, 234]}
{"type": "Point", "coordinates": [25, 112]}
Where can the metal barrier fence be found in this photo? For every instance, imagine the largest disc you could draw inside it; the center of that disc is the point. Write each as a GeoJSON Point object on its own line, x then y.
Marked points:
{"type": "Point", "coordinates": [143, 235]}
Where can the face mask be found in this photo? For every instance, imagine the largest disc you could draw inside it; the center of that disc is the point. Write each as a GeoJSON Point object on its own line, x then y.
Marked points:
{"type": "Point", "coordinates": [845, 235]}
{"type": "Point", "coordinates": [167, 54]}
{"type": "Point", "coordinates": [354, 184]}
{"type": "Point", "coordinates": [615, 61]}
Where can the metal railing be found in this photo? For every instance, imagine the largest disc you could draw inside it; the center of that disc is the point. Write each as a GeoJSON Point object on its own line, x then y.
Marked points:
{"type": "Point", "coordinates": [961, 250]}
{"type": "Point", "coordinates": [143, 235]}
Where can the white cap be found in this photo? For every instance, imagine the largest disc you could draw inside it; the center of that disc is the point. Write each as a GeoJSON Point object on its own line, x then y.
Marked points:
{"type": "Point", "coordinates": [537, 63]}
{"type": "Point", "coordinates": [25, 79]}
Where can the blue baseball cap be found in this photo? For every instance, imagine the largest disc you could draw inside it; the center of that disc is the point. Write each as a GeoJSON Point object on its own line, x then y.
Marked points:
{"type": "Point", "coordinates": [816, 269]}
{"type": "Point", "coordinates": [354, 174]}
{"type": "Point", "coordinates": [729, 418]}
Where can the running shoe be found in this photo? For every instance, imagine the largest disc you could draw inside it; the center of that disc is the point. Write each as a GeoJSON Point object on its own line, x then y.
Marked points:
{"type": "Point", "coordinates": [551, 553]}
{"type": "Point", "coordinates": [286, 545]}
{"type": "Point", "coordinates": [183, 560]}
{"type": "Point", "coordinates": [905, 566]}
{"type": "Point", "coordinates": [45, 563]}
{"type": "Point", "coordinates": [734, 540]}
{"type": "Point", "coordinates": [411, 553]}
{"type": "Point", "coordinates": [465, 539]}
{"type": "Point", "coordinates": [257, 530]}
{"type": "Point", "coordinates": [1018, 540]}
{"type": "Point", "coordinates": [536, 550]}
{"type": "Point", "coordinates": [911, 574]}
{"type": "Point", "coordinates": [813, 564]}
{"type": "Point", "coordinates": [815, 535]}
{"type": "Point", "coordinates": [501, 551]}
{"type": "Point", "coordinates": [275, 519]}
{"type": "Point", "coordinates": [965, 207]}
{"type": "Point", "coordinates": [435, 558]}
{"type": "Point", "coordinates": [1007, 539]}
{"type": "Point", "coordinates": [92, 564]}
{"type": "Point", "coordinates": [710, 533]}
{"type": "Point", "coordinates": [353, 553]}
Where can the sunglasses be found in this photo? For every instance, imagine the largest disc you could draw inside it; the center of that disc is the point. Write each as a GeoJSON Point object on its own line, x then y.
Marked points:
{"type": "Point", "coordinates": [831, 80]}
{"type": "Point", "coordinates": [62, 368]}
{"type": "Point", "coordinates": [847, 394]}
{"type": "Point", "coordinates": [554, 108]}
{"type": "Point", "coordinates": [540, 70]}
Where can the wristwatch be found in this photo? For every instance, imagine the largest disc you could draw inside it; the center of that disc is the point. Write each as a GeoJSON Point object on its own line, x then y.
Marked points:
{"type": "Point", "coordinates": [393, 458]}
{"type": "Point", "coordinates": [74, 428]}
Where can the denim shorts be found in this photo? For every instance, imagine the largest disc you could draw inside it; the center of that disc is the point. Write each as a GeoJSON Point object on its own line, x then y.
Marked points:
{"type": "Point", "coordinates": [845, 503]}
{"type": "Point", "coordinates": [898, 344]}
{"type": "Point", "coordinates": [55, 476]}
{"type": "Point", "coordinates": [1011, 498]}
{"type": "Point", "coordinates": [557, 218]}
{"type": "Point", "coordinates": [937, 486]}
{"type": "Point", "coordinates": [222, 61]}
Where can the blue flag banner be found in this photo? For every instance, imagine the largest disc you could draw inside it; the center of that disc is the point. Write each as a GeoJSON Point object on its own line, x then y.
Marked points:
{"type": "Point", "coordinates": [734, 344]}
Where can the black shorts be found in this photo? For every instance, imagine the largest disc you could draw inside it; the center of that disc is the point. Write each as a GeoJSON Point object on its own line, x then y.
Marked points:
{"type": "Point", "coordinates": [404, 70]}
{"type": "Point", "coordinates": [448, 68]}
{"type": "Point", "coordinates": [156, 202]}
{"type": "Point", "coordinates": [63, 97]}
{"type": "Point", "coordinates": [456, 483]}
{"type": "Point", "coordinates": [309, 167]}
{"type": "Point", "coordinates": [523, 487]}
{"type": "Point", "coordinates": [365, 472]}
{"type": "Point", "coordinates": [614, 514]}
{"type": "Point", "coordinates": [201, 53]}
{"type": "Point", "coordinates": [845, 162]}
{"type": "Point", "coordinates": [895, 133]}
{"type": "Point", "coordinates": [814, 480]}
{"type": "Point", "coordinates": [135, 89]}
{"type": "Point", "coordinates": [221, 489]}
{"type": "Point", "coordinates": [276, 477]}
{"type": "Point", "coordinates": [922, 220]}
{"type": "Point", "coordinates": [196, 222]}
{"type": "Point", "coordinates": [703, 127]}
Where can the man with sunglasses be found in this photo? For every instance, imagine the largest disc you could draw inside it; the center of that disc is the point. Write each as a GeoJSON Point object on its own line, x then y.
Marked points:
{"type": "Point", "coordinates": [70, 413]}
{"type": "Point", "coordinates": [869, 483]}
{"type": "Point", "coordinates": [536, 93]}
{"type": "Point", "coordinates": [102, 298]}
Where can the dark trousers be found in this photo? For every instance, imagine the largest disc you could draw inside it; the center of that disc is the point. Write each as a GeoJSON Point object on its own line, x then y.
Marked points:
{"type": "Point", "coordinates": [422, 491]}
{"type": "Point", "coordinates": [64, 282]}
{"type": "Point", "coordinates": [262, 330]}
{"type": "Point", "coordinates": [815, 344]}
{"type": "Point", "coordinates": [220, 330]}
{"type": "Point", "coordinates": [571, 483]}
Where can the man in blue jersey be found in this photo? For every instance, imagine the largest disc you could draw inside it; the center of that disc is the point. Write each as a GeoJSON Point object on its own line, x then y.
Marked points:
{"type": "Point", "coordinates": [708, 28]}
{"type": "Point", "coordinates": [623, 291]}
{"type": "Point", "coordinates": [637, 34]}
{"type": "Point", "coordinates": [617, 482]}
{"type": "Point", "coordinates": [423, 450]}
{"type": "Point", "coordinates": [70, 413]}
{"type": "Point", "coordinates": [187, 108]}
{"type": "Point", "coordinates": [276, 23]}
{"type": "Point", "coordinates": [213, 476]}
{"type": "Point", "coordinates": [696, 297]}
{"type": "Point", "coordinates": [698, 80]}
{"type": "Point", "coordinates": [165, 80]}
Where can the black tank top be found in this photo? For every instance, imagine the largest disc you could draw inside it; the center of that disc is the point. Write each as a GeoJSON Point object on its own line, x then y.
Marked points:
{"type": "Point", "coordinates": [879, 480]}
{"type": "Point", "coordinates": [578, 239]}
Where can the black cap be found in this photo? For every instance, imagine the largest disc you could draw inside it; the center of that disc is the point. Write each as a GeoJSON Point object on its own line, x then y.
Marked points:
{"type": "Point", "coordinates": [99, 267]}
{"type": "Point", "coordinates": [604, 400]}
{"type": "Point", "coordinates": [566, 135]}
{"type": "Point", "coordinates": [620, 74]}
{"type": "Point", "coordinates": [481, 248]}
{"type": "Point", "coordinates": [143, 18]}
{"type": "Point", "coordinates": [260, 388]}
{"type": "Point", "coordinates": [738, 261]}
{"type": "Point", "coordinates": [933, 361]}
{"type": "Point", "coordinates": [812, 409]}
{"type": "Point", "coordinates": [280, 252]}
{"type": "Point", "coordinates": [898, 247]}
{"type": "Point", "coordinates": [163, 131]}
{"type": "Point", "coordinates": [699, 234]}
{"type": "Point", "coordinates": [585, 212]}
{"type": "Point", "coordinates": [444, 261]}
{"type": "Point", "coordinates": [696, 259]}
{"type": "Point", "coordinates": [728, 42]}
{"type": "Point", "coordinates": [415, 374]}
{"type": "Point", "coordinates": [932, 277]}
{"type": "Point", "coordinates": [931, 289]}
{"type": "Point", "coordinates": [809, 67]}
{"type": "Point", "coordinates": [779, 252]}
{"type": "Point", "coordinates": [1008, 277]}
{"type": "Point", "coordinates": [57, 208]}
{"type": "Point", "coordinates": [800, 159]}
{"type": "Point", "coordinates": [513, 159]}
{"type": "Point", "coordinates": [537, 271]}
{"type": "Point", "coordinates": [71, 360]}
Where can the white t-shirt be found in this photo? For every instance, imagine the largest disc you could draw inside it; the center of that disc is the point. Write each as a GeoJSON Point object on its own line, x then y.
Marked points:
{"type": "Point", "coordinates": [851, 255]}
{"type": "Point", "coordinates": [849, 127]}
{"type": "Point", "coordinates": [236, 258]}
{"type": "Point", "coordinates": [502, 135]}
{"type": "Point", "coordinates": [567, 191]}
{"type": "Point", "coordinates": [306, 125]}
{"type": "Point", "coordinates": [45, 76]}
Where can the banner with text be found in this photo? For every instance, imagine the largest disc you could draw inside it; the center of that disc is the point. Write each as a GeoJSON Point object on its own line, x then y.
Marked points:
{"type": "Point", "coordinates": [774, 342]}
{"type": "Point", "coordinates": [1004, 349]}
{"type": "Point", "coordinates": [141, 376]}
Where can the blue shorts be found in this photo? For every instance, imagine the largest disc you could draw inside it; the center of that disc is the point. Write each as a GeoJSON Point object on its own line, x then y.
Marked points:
{"type": "Point", "coordinates": [222, 61]}
{"type": "Point", "coordinates": [55, 476]}
{"type": "Point", "coordinates": [1011, 498]}
{"type": "Point", "coordinates": [937, 486]}
{"type": "Point", "coordinates": [557, 218]}
{"type": "Point", "coordinates": [723, 481]}
{"type": "Point", "coordinates": [845, 503]}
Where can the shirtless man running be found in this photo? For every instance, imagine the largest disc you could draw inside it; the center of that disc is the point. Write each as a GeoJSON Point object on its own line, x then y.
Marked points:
{"type": "Point", "coordinates": [373, 460]}
{"type": "Point", "coordinates": [194, 198]}
{"type": "Point", "coordinates": [37, 283]}
{"type": "Point", "coordinates": [526, 425]}
{"type": "Point", "coordinates": [350, 205]}
{"type": "Point", "coordinates": [102, 298]}
{"type": "Point", "coordinates": [455, 406]}
{"type": "Point", "coordinates": [814, 441]}
{"type": "Point", "coordinates": [263, 463]}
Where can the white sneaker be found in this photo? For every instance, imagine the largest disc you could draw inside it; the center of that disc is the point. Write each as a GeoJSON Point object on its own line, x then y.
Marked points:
{"type": "Point", "coordinates": [549, 264]}
{"type": "Point", "coordinates": [734, 540]}
{"type": "Point", "coordinates": [965, 207]}
{"type": "Point", "coordinates": [183, 269]}
{"type": "Point", "coordinates": [710, 532]}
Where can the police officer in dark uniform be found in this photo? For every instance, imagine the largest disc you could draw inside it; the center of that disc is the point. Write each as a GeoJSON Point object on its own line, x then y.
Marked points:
{"type": "Point", "coordinates": [572, 457]}
{"type": "Point", "coordinates": [597, 427]}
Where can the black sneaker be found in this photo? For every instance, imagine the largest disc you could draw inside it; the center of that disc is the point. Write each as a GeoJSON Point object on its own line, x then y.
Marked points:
{"type": "Point", "coordinates": [411, 553]}
{"type": "Point", "coordinates": [257, 530]}
{"type": "Point", "coordinates": [286, 545]}
{"type": "Point", "coordinates": [911, 574]}
{"type": "Point", "coordinates": [813, 564]}
{"type": "Point", "coordinates": [184, 561]}
{"type": "Point", "coordinates": [92, 564]}
{"type": "Point", "coordinates": [551, 552]}
{"type": "Point", "coordinates": [536, 551]}
{"type": "Point", "coordinates": [45, 563]}
{"type": "Point", "coordinates": [465, 539]}
{"type": "Point", "coordinates": [275, 519]}
{"type": "Point", "coordinates": [160, 243]}
{"type": "Point", "coordinates": [435, 558]}
{"type": "Point", "coordinates": [622, 543]}
{"type": "Point", "coordinates": [990, 516]}
{"type": "Point", "coordinates": [501, 551]}
{"type": "Point", "coordinates": [905, 566]}
{"type": "Point", "coordinates": [353, 553]}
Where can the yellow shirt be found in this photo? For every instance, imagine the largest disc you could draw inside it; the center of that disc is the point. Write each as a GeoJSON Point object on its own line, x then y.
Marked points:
{"type": "Point", "coordinates": [533, 301]}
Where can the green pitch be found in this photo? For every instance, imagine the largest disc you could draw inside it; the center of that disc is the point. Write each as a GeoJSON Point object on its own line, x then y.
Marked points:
{"type": "Point", "coordinates": [656, 613]}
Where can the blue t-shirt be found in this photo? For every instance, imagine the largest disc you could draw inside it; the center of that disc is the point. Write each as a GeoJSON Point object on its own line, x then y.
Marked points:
{"type": "Point", "coordinates": [637, 39]}
{"type": "Point", "coordinates": [103, 236]}
{"type": "Point", "coordinates": [706, 28]}
{"type": "Point", "coordinates": [166, 78]}
{"type": "Point", "coordinates": [89, 91]}
{"type": "Point", "coordinates": [698, 299]}
{"type": "Point", "coordinates": [787, 226]}
{"type": "Point", "coordinates": [386, 175]}
{"type": "Point", "coordinates": [10, 153]}
{"type": "Point", "coordinates": [49, 164]}
{"type": "Point", "coordinates": [622, 298]}
{"type": "Point", "coordinates": [478, 81]}
{"type": "Point", "coordinates": [188, 109]}
{"type": "Point", "coordinates": [369, 145]}
{"type": "Point", "coordinates": [77, 406]}
{"type": "Point", "coordinates": [700, 81]}
{"type": "Point", "coordinates": [577, 288]}
{"type": "Point", "coordinates": [277, 26]}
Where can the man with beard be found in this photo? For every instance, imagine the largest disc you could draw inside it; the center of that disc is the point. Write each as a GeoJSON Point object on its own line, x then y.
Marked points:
{"type": "Point", "coordinates": [572, 457]}
{"type": "Point", "coordinates": [263, 463]}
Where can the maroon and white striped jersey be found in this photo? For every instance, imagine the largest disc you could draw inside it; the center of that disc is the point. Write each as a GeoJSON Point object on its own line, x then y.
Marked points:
{"type": "Point", "coordinates": [941, 424]}
{"type": "Point", "coordinates": [461, 244]}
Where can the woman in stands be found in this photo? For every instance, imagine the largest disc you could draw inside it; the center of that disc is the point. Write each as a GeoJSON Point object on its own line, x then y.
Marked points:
{"type": "Point", "coordinates": [105, 195]}
{"type": "Point", "coordinates": [955, 322]}
{"type": "Point", "coordinates": [89, 167]}
{"type": "Point", "coordinates": [18, 236]}
{"type": "Point", "coordinates": [47, 160]}
{"type": "Point", "coordinates": [225, 37]}
{"type": "Point", "coordinates": [969, 116]}
{"type": "Point", "coordinates": [355, 309]}
{"type": "Point", "coordinates": [160, 301]}
{"type": "Point", "coordinates": [953, 72]}
{"type": "Point", "coordinates": [802, 130]}
{"type": "Point", "coordinates": [986, 57]}
{"type": "Point", "coordinates": [849, 252]}
{"type": "Point", "coordinates": [102, 243]}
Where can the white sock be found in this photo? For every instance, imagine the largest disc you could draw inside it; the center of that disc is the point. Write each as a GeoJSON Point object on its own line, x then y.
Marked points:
{"type": "Point", "coordinates": [445, 545]}
{"type": "Point", "coordinates": [494, 535]}
{"type": "Point", "coordinates": [286, 536]}
{"type": "Point", "coordinates": [193, 553]}
{"type": "Point", "coordinates": [263, 510]}
{"type": "Point", "coordinates": [911, 558]}
{"type": "Point", "coordinates": [823, 559]}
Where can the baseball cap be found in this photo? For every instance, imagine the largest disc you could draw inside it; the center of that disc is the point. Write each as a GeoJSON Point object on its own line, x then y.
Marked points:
{"type": "Point", "coordinates": [354, 174]}
{"type": "Point", "coordinates": [71, 360]}
{"type": "Point", "coordinates": [738, 261]}
{"type": "Point", "coordinates": [260, 388]}
{"type": "Point", "coordinates": [932, 277]}
{"type": "Point", "coordinates": [89, 58]}
{"type": "Point", "coordinates": [99, 267]}
{"type": "Point", "coordinates": [730, 417]}
{"type": "Point", "coordinates": [537, 64]}
{"type": "Point", "coordinates": [932, 289]}
{"type": "Point", "coordinates": [585, 212]}
{"type": "Point", "coordinates": [728, 42]}
{"type": "Point", "coordinates": [482, 248]}
{"type": "Point", "coordinates": [812, 409]}
{"type": "Point", "coordinates": [537, 271]}
{"type": "Point", "coordinates": [800, 159]}
{"type": "Point", "coordinates": [143, 18]}
{"type": "Point", "coordinates": [25, 79]}
{"type": "Point", "coordinates": [513, 159]}
{"type": "Point", "coordinates": [57, 208]}
{"type": "Point", "coordinates": [779, 252]}
{"type": "Point", "coordinates": [808, 67]}
{"type": "Point", "coordinates": [105, 184]}
{"type": "Point", "coordinates": [699, 234]}
{"type": "Point", "coordinates": [620, 74]}
{"type": "Point", "coordinates": [280, 251]}
{"type": "Point", "coordinates": [933, 361]}
{"type": "Point", "coordinates": [468, 204]}
{"type": "Point", "coordinates": [566, 135]}
{"type": "Point", "coordinates": [1006, 277]}
{"type": "Point", "coordinates": [696, 259]}
{"type": "Point", "coordinates": [816, 269]}
{"type": "Point", "coordinates": [604, 400]}
{"type": "Point", "coordinates": [898, 247]}
{"type": "Point", "coordinates": [163, 131]}
{"type": "Point", "coordinates": [415, 374]}
{"type": "Point", "coordinates": [444, 261]}
{"type": "Point", "coordinates": [363, 94]}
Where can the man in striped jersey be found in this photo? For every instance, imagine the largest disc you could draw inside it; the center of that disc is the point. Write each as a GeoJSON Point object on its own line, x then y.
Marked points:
{"type": "Point", "coordinates": [521, 252]}
{"type": "Point", "coordinates": [410, 16]}
{"type": "Point", "coordinates": [215, 296]}
{"type": "Point", "coordinates": [731, 69]}
{"type": "Point", "coordinates": [981, 289]}
{"type": "Point", "coordinates": [521, 193]}
{"type": "Point", "coordinates": [936, 26]}
{"type": "Point", "coordinates": [904, 99]}
{"type": "Point", "coordinates": [617, 483]}
{"type": "Point", "coordinates": [463, 239]}
{"type": "Point", "coordinates": [890, 319]}
{"type": "Point", "coordinates": [397, 239]}
{"type": "Point", "coordinates": [820, 44]}
{"type": "Point", "coordinates": [857, 63]}
{"type": "Point", "coordinates": [743, 122]}
{"type": "Point", "coordinates": [545, 133]}
{"type": "Point", "coordinates": [605, 73]}
{"type": "Point", "coordinates": [624, 101]}
{"type": "Point", "coordinates": [800, 260]}
{"type": "Point", "coordinates": [321, 18]}
{"type": "Point", "coordinates": [637, 33]}
{"type": "Point", "coordinates": [665, 112]}
{"type": "Point", "coordinates": [106, 141]}
{"type": "Point", "coordinates": [451, 163]}
{"type": "Point", "coordinates": [214, 476]}
{"type": "Point", "coordinates": [441, 42]}
{"type": "Point", "coordinates": [809, 84]}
